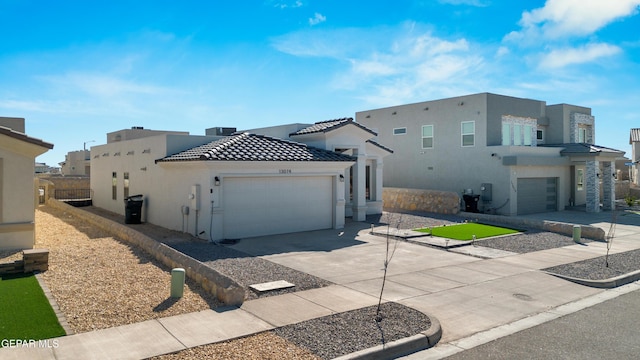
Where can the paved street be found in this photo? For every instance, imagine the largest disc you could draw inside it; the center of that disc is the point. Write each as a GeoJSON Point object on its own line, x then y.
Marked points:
{"type": "Point", "coordinates": [608, 330]}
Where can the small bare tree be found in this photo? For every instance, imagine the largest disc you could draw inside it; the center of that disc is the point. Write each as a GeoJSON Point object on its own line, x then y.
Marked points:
{"type": "Point", "coordinates": [610, 235]}
{"type": "Point", "coordinates": [387, 259]}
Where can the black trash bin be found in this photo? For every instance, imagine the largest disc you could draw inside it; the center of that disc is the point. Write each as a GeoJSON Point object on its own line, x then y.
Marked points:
{"type": "Point", "coordinates": [133, 209]}
{"type": "Point", "coordinates": [471, 203]}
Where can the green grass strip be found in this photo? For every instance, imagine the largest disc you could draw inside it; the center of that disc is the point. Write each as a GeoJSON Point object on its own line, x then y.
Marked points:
{"type": "Point", "coordinates": [25, 312]}
{"type": "Point", "coordinates": [467, 230]}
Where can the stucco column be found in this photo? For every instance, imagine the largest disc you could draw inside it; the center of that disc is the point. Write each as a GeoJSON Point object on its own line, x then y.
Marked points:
{"type": "Point", "coordinates": [608, 185]}
{"type": "Point", "coordinates": [592, 186]}
{"type": "Point", "coordinates": [359, 203]}
{"type": "Point", "coordinates": [377, 180]}
{"type": "Point", "coordinates": [347, 192]}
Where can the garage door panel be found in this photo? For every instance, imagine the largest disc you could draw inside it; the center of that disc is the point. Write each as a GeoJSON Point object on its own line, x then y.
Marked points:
{"type": "Point", "coordinates": [537, 195]}
{"type": "Point", "coordinates": [272, 205]}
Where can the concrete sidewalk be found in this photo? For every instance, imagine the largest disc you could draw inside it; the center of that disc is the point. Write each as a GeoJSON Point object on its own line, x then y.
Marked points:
{"type": "Point", "coordinates": [466, 294]}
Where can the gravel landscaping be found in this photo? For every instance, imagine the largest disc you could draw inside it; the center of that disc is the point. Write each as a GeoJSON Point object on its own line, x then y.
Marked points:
{"type": "Point", "coordinates": [529, 241]}
{"type": "Point", "coordinates": [596, 269]}
{"type": "Point", "coordinates": [348, 332]}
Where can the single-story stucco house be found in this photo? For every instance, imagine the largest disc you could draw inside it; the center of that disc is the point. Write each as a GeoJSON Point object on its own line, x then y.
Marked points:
{"type": "Point", "coordinates": [274, 180]}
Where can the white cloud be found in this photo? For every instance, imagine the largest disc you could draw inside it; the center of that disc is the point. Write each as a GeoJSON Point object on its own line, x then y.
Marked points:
{"type": "Point", "coordinates": [286, 4]}
{"type": "Point", "coordinates": [317, 19]}
{"type": "Point", "coordinates": [563, 57]}
{"type": "Point", "coordinates": [562, 18]}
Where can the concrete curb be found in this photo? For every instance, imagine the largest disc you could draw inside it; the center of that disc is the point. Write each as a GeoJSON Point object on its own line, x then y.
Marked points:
{"type": "Point", "coordinates": [602, 284]}
{"type": "Point", "coordinates": [224, 288]}
{"type": "Point", "coordinates": [402, 347]}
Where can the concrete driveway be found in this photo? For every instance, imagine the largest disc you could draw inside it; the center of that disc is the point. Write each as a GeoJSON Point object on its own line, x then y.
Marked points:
{"type": "Point", "coordinates": [465, 293]}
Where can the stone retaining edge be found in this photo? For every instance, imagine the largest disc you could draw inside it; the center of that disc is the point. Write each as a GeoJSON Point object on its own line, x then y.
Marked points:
{"type": "Point", "coordinates": [587, 231]}
{"type": "Point", "coordinates": [224, 288]}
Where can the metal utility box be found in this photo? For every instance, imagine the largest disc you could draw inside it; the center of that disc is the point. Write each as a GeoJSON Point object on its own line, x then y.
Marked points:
{"type": "Point", "coordinates": [486, 192]}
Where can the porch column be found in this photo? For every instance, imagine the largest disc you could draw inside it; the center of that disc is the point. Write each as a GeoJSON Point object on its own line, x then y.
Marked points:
{"type": "Point", "coordinates": [377, 180]}
{"type": "Point", "coordinates": [592, 186]}
{"type": "Point", "coordinates": [347, 192]}
{"type": "Point", "coordinates": [359, 188]}
{"type": "Point", "coordinates": [608, 185]}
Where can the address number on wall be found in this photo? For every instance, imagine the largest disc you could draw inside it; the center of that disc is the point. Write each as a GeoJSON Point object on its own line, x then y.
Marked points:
{"type": "Point", "coordinates": [284, 171]}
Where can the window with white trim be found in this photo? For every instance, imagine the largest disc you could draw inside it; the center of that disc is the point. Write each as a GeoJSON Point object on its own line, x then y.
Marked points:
{"type": "Point", "coordinates": [400, 131]}
{"type": "Point", "coordinates": [517, 131]}
{"type": "Point", "coordinates": [427, 136]}
{"type": "Point", "coordinates": [468, 129]}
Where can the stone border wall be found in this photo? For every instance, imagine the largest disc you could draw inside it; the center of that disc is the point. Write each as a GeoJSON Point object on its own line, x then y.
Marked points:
{"type": "Point", "coordinates": [32, 260]}
{"type": "Point", "coordinates": [224, 288]}
{"type": "Point", "coordinates": [587, 231]}
{"type": "Point", "coordinates": [440, 202]}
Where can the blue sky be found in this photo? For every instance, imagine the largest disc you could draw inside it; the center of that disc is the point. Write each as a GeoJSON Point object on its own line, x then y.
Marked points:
{"type": "Point", "coordinates": [79, 69]}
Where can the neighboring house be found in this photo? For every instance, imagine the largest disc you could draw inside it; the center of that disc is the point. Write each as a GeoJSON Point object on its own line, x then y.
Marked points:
{"type": "Point", "coordinates": [247, 184]}
{"type": "Point", "coordinates": [17, 190]}
{"type": "Point", "coordinates": [77, 163]}
{"type": "Point", "coordinates": [516, 156]}
{"type": "Point", "coordinates": [634, 140]}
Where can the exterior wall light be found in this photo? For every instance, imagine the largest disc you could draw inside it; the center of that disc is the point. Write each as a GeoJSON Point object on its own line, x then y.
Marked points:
{"type": "Point", "coordinates": [341, 178]}
{"type": "Point", "coordinates": [216, 181]}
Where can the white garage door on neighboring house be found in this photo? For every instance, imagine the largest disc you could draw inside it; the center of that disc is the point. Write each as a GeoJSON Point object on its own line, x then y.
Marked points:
{"type": "Point", "coordinates": [537, 195]}
{"type": "Point", "coordinates": [256, 206]}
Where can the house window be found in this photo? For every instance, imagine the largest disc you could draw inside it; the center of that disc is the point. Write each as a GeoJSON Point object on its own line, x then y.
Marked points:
{"type": "Point", "coordinates": [427, 136]}
{"type": "Point", "coordinates": [540, 136]}
{"type": "Point", "coordinates": [582, 135]}
{"type": "Point", "coordinates": [114, 185]}
{"type": "Point", "coordinates": [468, 133]}
{"type": "Point", "coordinates": [517, 131]}
{"type": "Point", "coordinates": [399, 131]}
{"type": "Point", "coordinates": [126, 184]}
{"type": "Point", "coordinates": [580, 180]}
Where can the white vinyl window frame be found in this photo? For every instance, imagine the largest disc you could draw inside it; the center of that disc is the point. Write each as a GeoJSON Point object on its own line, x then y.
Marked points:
{"type": "Point", "coordinates": [427, 136]}
{"type": "Point", "coordinates": [468, 133]}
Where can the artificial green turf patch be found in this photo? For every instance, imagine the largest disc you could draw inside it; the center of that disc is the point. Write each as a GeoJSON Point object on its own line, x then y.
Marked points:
{"type": "Point", "coordinates": [25, 312]}
{"type": "Point", "coordinates": [467, 230]}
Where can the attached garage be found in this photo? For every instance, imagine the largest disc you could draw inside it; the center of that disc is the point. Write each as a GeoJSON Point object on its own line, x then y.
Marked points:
{"type": "Point", "coordinates": [537, 195]}
{"type": "Point", "coordinates": [255, 206]}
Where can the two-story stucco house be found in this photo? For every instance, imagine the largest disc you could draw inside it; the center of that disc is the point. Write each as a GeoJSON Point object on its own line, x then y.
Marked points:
{"type": "Point", "coordinates": [265, 181]}
{"type": "Point", "coordinates": [516, 156]}
{"type": "Point", "coordinates": [17, 188]}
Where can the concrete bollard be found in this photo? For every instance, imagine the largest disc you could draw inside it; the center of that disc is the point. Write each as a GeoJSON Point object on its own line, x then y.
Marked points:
{"type": "Point", "coordinates": [177, 282]}
{"type": "Point", "coordinates": [577, 233]}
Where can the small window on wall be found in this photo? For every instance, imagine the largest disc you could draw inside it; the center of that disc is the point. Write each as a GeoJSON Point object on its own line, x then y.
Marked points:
{"type": "Point", "coordinates": [468, 133]}
{"type": "Point", "coordinates": [399, 131]}
{"type": "Point", "coordinates": [540, 136]}
{"type": "Point", "coordinates": [427, 136]}
{"type": "Point", "coordinates": [580, 180]}
{"type": "Point", "coordinates": [126, 184]}
{"type": "Point", "coordinates": [114, 185]}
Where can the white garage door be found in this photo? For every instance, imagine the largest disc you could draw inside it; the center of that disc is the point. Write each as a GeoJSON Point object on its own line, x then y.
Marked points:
{"type": "Point", "coordinates": [276, 205]}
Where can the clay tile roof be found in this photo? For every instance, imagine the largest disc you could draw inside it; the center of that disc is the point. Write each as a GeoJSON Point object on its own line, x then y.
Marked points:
{"type": "Point", "coordinates": [329, 125]}
{"type": "Point", "coordinates": [252, 147]}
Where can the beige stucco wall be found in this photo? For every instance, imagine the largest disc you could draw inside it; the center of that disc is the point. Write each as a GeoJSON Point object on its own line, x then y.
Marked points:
{"type": "Point", "coordinates": [17, 195]}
